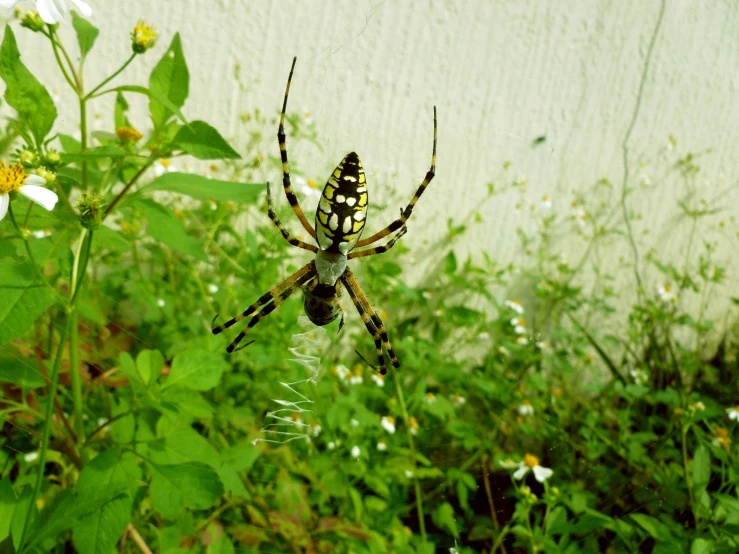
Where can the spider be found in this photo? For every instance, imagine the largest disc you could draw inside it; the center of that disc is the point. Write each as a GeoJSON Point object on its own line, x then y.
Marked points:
{"type": "Point", "coordinates": [340, 220]}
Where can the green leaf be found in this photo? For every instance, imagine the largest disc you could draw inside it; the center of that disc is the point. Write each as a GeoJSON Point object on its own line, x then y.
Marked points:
{"type": "Point", "coordinates": [109, 239]}
{"type": "Point", "coordinates": [450, 264]}
{"type": "Point", "coordinates": [20, 307]}
{"type": "Point", "coordinates": [556, 520]}
{"type": "Point", "coordinates": [701, 467]}
{"type": "Point", "coordinates": [165, 227]}
{"type": "Point", "coordinates": [183, 444]}
{"type": "Point", "coordinates": [653, 526]}
{"type": "Point", "coordinates": [170, 79]}
{"type": "Point", "coordinates": [86, 33]}
{"type": "Point", "coordinates": [192, 485]}
{"type": "Point", "coordinates": [196, 369]}
{"type": "Point", "coordinates": [22, 372]}
{"type": "Point", "coordinates": [7, 507]}
{"type": "Point", "coordinates": [701, 546]}
{"type": "Point", "coordinates": [121, 107]}
{"type": "Point", "coordinates": [203, 188]}
{"type": "Point", "coordinates": [24, 92]}
{"type": "Point", "coordinates": [443, 517]}
{"type": "Point", "coordinates": [97, 532]}
{"type": "Point", "coordinates": [149, 364]}
{"type": "Point", "coordinates": [94, 154]}
{"type": "Point", "coordinates": [154, 95]}
{"type": "Point", "coordinates": [19, 516]}
{"type": "Point", "coordinates": [203, 142]}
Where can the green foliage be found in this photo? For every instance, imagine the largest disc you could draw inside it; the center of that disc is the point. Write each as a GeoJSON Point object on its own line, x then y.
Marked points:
{"type": "Point", "coordinates": [581, 418]}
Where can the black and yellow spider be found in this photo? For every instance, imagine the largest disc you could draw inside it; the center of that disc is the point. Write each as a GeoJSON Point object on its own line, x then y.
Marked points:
{"type": "Point", "coordinates": [340, 220]}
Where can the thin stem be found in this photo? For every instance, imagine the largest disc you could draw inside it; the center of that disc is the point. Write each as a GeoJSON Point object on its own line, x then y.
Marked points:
{"type": "Point", "coordinates": [138, 539]}
{"type": "Point", "coordinates": [75, 371]}
{"type": "Point", "coordinates": [416, 483]}
{"type": "Point", "coordinates": [61, 63]}
{"type": "Point", "coordinates": [131, 183]}
{"type": "Point", "coordinates": [83, 136]}
{"type": "Point", "coordinates": [489, 493]}
{"type": "Point", "coordinates": [77, 78]}
{"type": "Point", "coordinates": [113, 76]}
{"type": "Point", "coordinates": [24, 236]}
{"type": "Point", "coordinates": [688, 476]}
{"type": "Point", "coordinates": [47, 428]}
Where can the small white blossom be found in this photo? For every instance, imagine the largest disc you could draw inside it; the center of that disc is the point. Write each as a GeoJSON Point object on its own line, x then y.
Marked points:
{"type": "Point", "coordinates": [733, 413]}
{"type": "Point", "coordinates": [426, 294]}
{"type": "Point", "coordinates": [331, 445]}
{"type": "Point", "coordinates": [519, 325]}
{"type": "Point", "coordinates": [430, 397]}
{"type": "Point", "coordinates": [666, 293]}
{"type": "Point", "coordinates": [514, 305]}
{"type": "Point", "coordinates": [526, 409]}
{"type": "Point", "coordinates": [522, 340]}
{"type": "Point", "coordinates": [546, 202]}
{"type": "Point", "coordinates": [164, 166]}
{"type": "Point", "coordinates": [41, 234]}
{"type": "Point", "coordinates": [356, 378]}
{"type": "Point", "coordinates": [213, 205]}
{"type": "Point", "coordinates": [581, 217]}
{"type": "Point", "coordinates": [212, 288]}
{"type": "Point", "coordinates": [543, 345]}
{"type": "Point", "coordinates": [639, 376]}
{"type": "Point", "coordinates": [13, 179]}
{"type": "Point", "coordinates": [307, 187]}
{"type": "Point", "coordinates": [531, 463]}
{"type": "Point", "coordinates": [378, 379]}
{"type": "Point", "coordinates": [458, 400]}
{"type": "Point", "coordinates": [31, 457]}
{"type": "Point", "coordinates": [381, 446]}
{"type": "Point", "coordinates": [354, 422]}
{"type": "Point", "coordinates": [315, 429]}
{"type": "Point", "coordinates": [342, 371]}
{"type": "Point", "coordinates": [161, 303]}
{"type": "Point", "coordinates": [438, 312]}
{"type": "Point", "coordinates": [356, 452]}
{"type": "Point", "coordinates": [408, 473]}
{"type": "Point", "coordinates": [483, 335]}
{"type": "Point", "coordinates": [388, 423]}
{"type": "Point", "coordinates": [52, 11]}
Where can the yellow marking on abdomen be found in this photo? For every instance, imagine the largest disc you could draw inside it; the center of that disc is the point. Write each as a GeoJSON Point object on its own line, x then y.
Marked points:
{"type": "Point", "coordinates": [323, 217]}
{"type": "Point", "coordinates": [363, 199]}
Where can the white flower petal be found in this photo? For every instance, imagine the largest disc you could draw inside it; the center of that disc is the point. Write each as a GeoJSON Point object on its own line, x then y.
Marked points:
{"type": "Point", "coordinates": [51, 11]}
{"type": "Point", "coordinates": [83, 7]}
{"type": "Point", "coordinates": [34, 180]}
{"type": "Point", "coordinates": [542, 473]}
{"type": "Point", "coordinates": [8, 4]}
{"type": "Point", "coordinates": [4, 203]}
{"type": "Point", "coordinates": [520, 472]}
{"type": "Point", "coordinates": [42, 196]}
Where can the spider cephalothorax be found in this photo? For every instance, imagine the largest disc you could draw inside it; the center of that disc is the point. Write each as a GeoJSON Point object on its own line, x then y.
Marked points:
{"type": "Point", "coordinates": [340, 219]}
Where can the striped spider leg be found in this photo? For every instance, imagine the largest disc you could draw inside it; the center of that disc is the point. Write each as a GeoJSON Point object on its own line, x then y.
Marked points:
{"type": "Point", "coordinates": [405, 214]}
{"type": "Point", "coordinates": [268, 302]}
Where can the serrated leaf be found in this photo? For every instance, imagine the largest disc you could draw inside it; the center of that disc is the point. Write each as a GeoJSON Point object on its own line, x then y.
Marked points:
{"type": "Point", "coordinates": [196, 369]}
{"type": "Point", "coordinates": [20, 307]}
{"type": "Point", "coordinates": [192, 485]}
{"type": "Point", "coordinates": [203, 142]}
{"type": "Point", "coordinates": [443, 517]}
{"type": "Point", "coordinates": [203, 188]}
{"type": "Point", "coordinates": [24, 92]}
{"type": "Point", "coordinates": [149, 364]}
{"type": "Point", "coordinates": [165, 227]}
{"type": "Point", "coordinates": [86, 33]}
{"type": "Point", "coordinates": [183, 444]}
{"type": "Point", "coordinates": [154, 96]}
{"type": "Point", "coordinates": [169, 79]}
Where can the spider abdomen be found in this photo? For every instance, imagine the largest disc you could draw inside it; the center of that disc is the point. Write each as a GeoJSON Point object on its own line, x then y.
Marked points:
{"type": "Point", "coordinates": [322, 303]}
{"type": "Point", "coordinates": [342, 209]}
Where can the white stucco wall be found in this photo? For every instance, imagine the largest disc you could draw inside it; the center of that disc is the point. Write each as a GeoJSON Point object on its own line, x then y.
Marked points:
{"type": "Point", "coordinates": [501, 73]}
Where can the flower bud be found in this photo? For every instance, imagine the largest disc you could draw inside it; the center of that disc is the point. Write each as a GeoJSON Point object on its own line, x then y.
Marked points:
{"type": "Point", "coordinates": [128, 134]}
{"type": "Point", "coordinates": [52, 159]}
{"type": "Point", "coordinates": [32, 20]}
{"type": "Point", "coordinates": [143, 38]}
{"type": "Point", "coordinates": [50, 176]}
{"type": "Point", "coordinates": [26, 157]}
{"type": "Point", "coordinates": [91, 207]}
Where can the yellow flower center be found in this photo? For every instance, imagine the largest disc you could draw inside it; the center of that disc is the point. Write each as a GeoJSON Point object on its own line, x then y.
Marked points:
{"type": "Point", "coordinates": [144, 35]}
{"type": "Point", "coordinates": [11, 178]}
{"type": "Point", "coordinates": [390, 420]}
{"type": "Point", "coordinates": [165, 162]}
{"type": "Point", "coordinates": [531, 460]}
{"type": "Point", "coordinates": [413, 423]}
{"type": "Point", "coordinates": [721, 432]}
{"type": "Point", "coordinates": [128, 134]}
{"type": "Point", "coordinates": [312, 184]}
{"type": "Point", "coordinates": [667, 288]}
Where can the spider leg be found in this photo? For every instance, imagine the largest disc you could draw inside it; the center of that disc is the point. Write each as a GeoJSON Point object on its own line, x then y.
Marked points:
{"type": "Point", "coordinates": [380, 249]}
{"type": "Point", "coordinates": [276, 301]}
{"type": "Point", "coordinates": [405, 214]}
{"type": "Point", "coordinates": [367, 323]}
{"type": "Point", "coordinates": [276, 221]}
{"type": "Point", "coordinates": [307, 269]}
{"type": "Point", "coordinates": [285, 169]}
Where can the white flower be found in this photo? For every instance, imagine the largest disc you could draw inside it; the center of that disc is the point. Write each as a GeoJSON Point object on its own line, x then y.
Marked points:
{"type": "Point", "coordinates": [161, 303]}
{"type": "Point", "coordinates": [342, 371]}
{"type": "Point", "coordinates": [388, 423]}
{"type": "Point", "coordinates": [640, 376]}
{"type": "Point", "coordinates": [526, 409]}
{"type": "Point", "coordinates": [543, 345]}
{"type": "Point", "coordinates": [331, 445]}
{"type": "Point", "coordinates": [381, 446]}
{"type": "Point", "coordinates": [430, 397]}
{"type": "Point", "coordinates": [519, 325]}
{"type": "Point", "coordinates": [438, 312]}
{"type": "Point", "coordinates": [665, 293]}
{"type": "Point", "coordinates": [41, 234]}
{"type": "Point", "coordinates": [315, 429]}
{"type": "Point", "coordinates": [356, 378]}
{"type": "Point", "coordinates": [212, 288]}
{"type": "Point", "coordinates": [356, 452]}
{"type": "Point", "coordinates": [413, 424]}
{"type": "Point", "coordinates": [581, 217]}
{"type": "Point", "coordinates": [426, 294]}
{"type": "Point", "coordinates": [546, 202]}
{"type": "Point", "coordinates": [307, 187]}
{"type": "Point", "coordinates": [453, 550]}
{"type": "Point", "coordinates": [354, 422]}
{"type": "Point", "coordinates": [162, 166]}
{"type": "Point", "coordinates": [31, 457]}
{"type": "Point", "coordinates": [378, 379]}
{"type": "Point", "coordinates": [52, 11]}
{"type": "Point", "coordinates": [408, 473]}
{"type": "Point", "coordinates": [483, 335]}
{"type": "Point", "coordinates": [733, 413]}
{"type": "Point", "coordinates": [531, 462]}
{"type": "Point", "coordinates": [213, 205]}
{"type": "Point", "coordinates": [13, 179]}
{"type": "Point", "coordinates": [458, 400]}
{"type": "Point", "coordinates": [522, 340]}
{"type": "Point", "coordinates": [514, 305]}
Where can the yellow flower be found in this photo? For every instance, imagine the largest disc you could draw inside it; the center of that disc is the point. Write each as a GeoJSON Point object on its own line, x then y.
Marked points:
{"type": "Point", "coordinates": [143, 37]}
{"type": "Point", "coordinates": [128, 134]}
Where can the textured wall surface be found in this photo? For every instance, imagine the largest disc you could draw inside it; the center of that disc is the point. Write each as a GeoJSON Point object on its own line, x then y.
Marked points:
{"type": "Point", "coordinates": [501, 73]}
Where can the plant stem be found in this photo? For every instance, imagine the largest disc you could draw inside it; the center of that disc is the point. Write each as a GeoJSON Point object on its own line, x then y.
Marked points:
{"type": "Point", "coordinates": [416, 483]}
{"type": "Point", "coordinates": [131, 183]}
{"type": "Point", "coordinates": [55, 48]}
{"type": "Point", "coordinates": [688, 477]}
{"type": "Point", "coordinates": [83, 136]}
{"type": "Point", "coordinates": [47, 428]}
{"type": "Point", "coordinates": [109, 79]}
{"type": "Point", "coordinates": [74, 369]}
{"type": "Point", "coordinates": [31, 258]}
